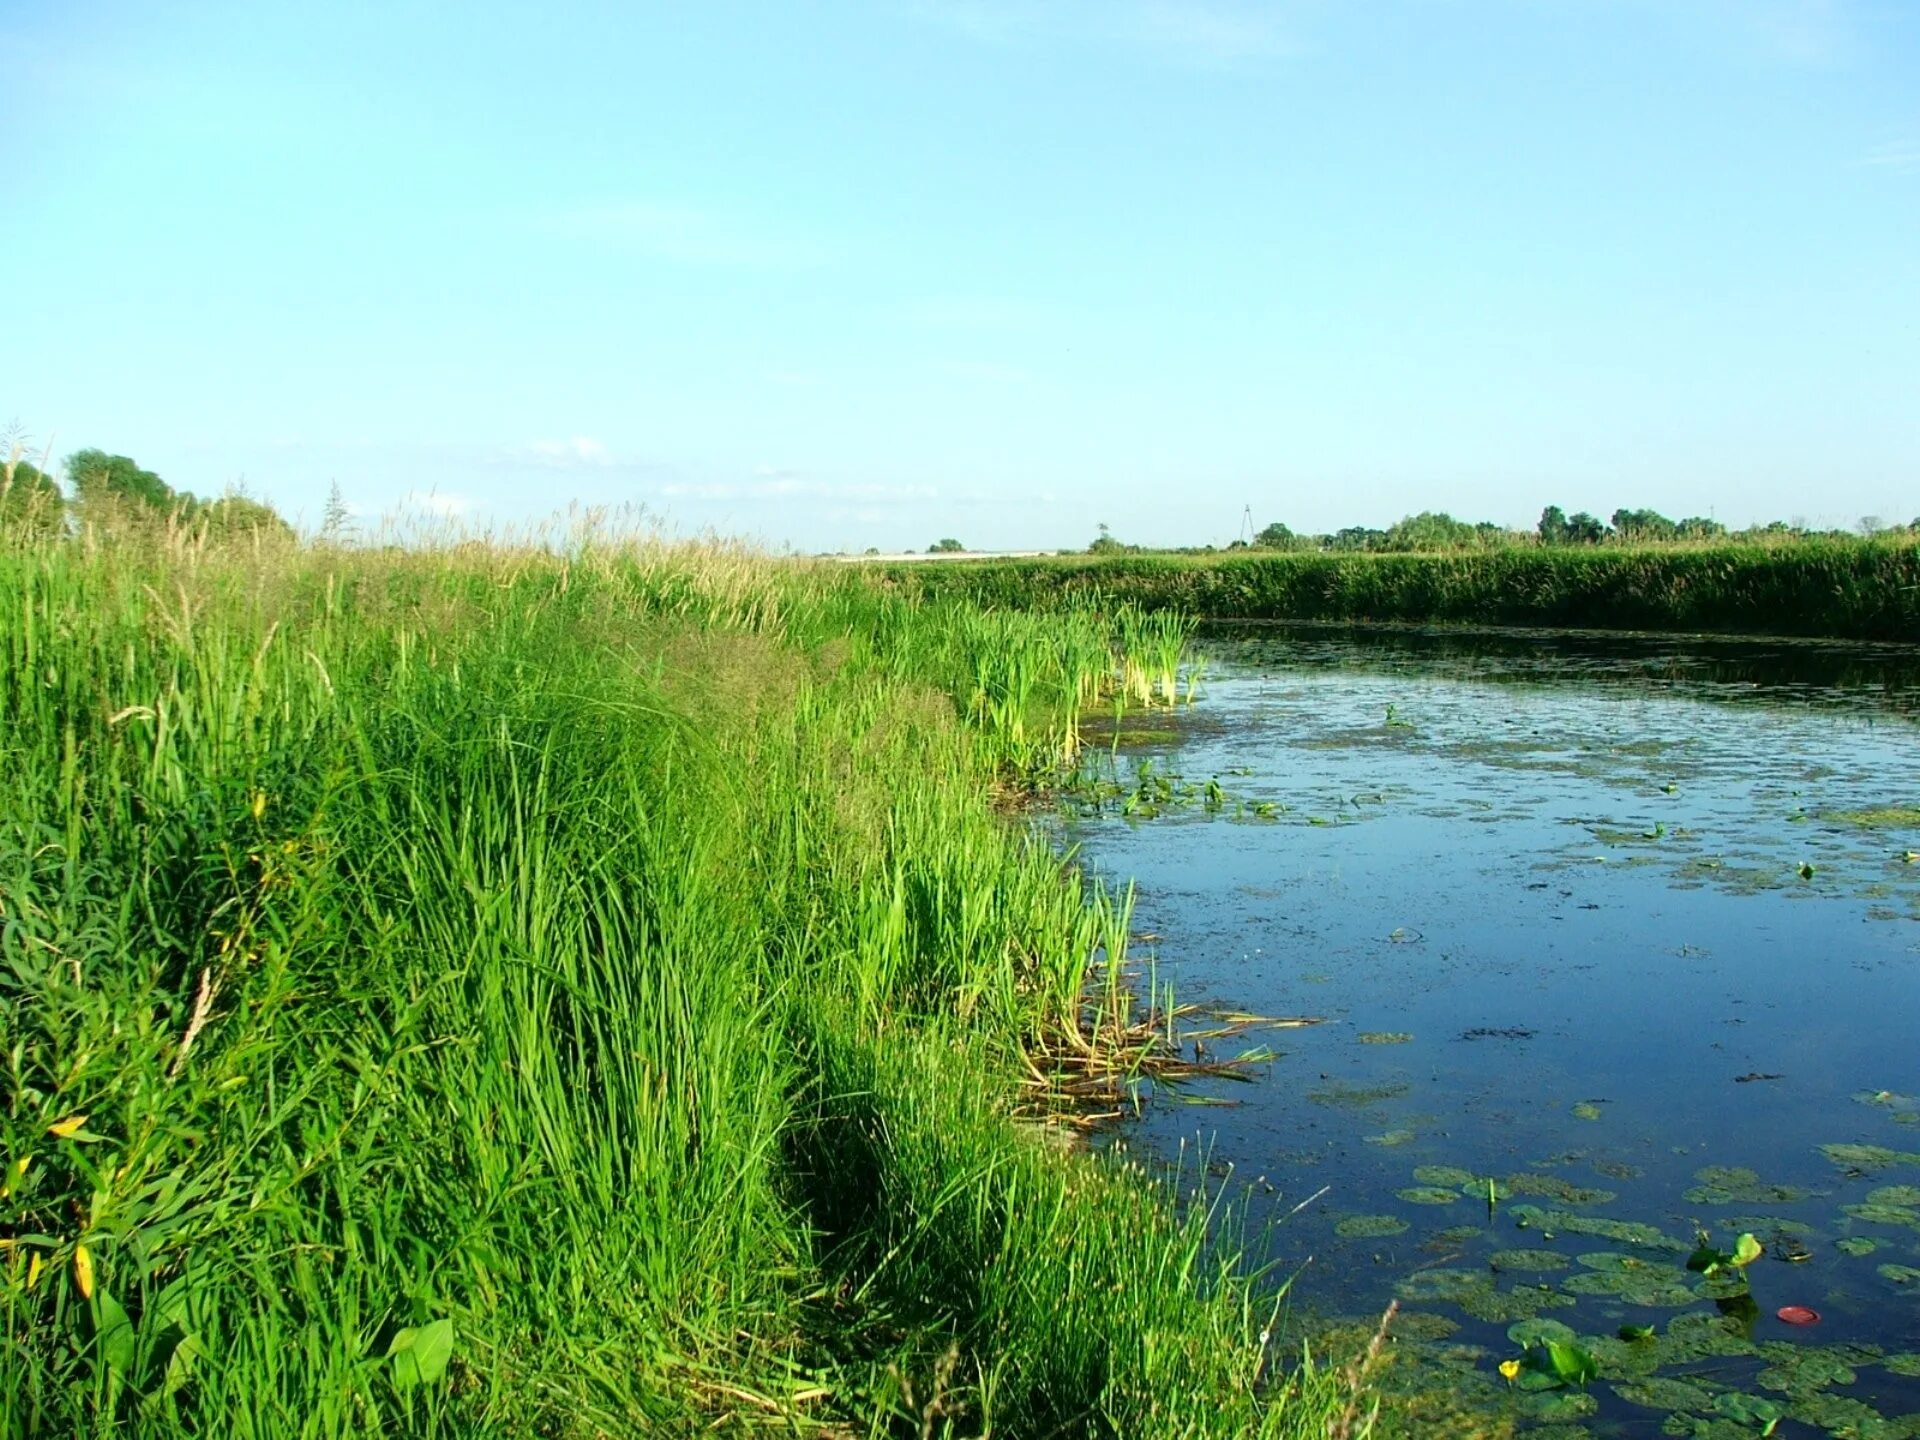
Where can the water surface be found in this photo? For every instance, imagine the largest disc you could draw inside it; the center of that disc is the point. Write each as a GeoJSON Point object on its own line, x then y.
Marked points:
{"type": "Point", "coordinates": [1587, 916]}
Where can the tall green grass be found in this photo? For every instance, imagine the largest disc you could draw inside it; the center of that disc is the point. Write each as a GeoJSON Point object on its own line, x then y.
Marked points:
{"type": "Point", "coordinates": [1865, 589]}
{"type": "Point", "coordinates": [493, 992]}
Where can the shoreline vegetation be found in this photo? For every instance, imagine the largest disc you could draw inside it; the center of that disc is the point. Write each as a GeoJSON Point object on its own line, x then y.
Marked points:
{"type": "Point", "coordinates": [579, 990]}
{"type": "Point", "coordinates": [1856, 589]}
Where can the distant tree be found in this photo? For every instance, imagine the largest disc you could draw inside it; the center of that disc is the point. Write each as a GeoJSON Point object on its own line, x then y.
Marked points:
{"type": "Point", "coordinates": [1698, 527]}
{"type": "Point", "coordinates": [1105, 544]}
{"type": "Point", "coordinates": [1643, 525]}
{"type": "Point", "coordinates": [1584, 529]}
{"type": "Point", "coordinates": [1553, 526]}
{"type": "Point", "coordinates": [99, 478]}
{"type": "Point", "coordinates": [29, 500]}
{"type": "Point", "coordinates": [237, 514]}
{"type": "Point", "coordinates": [1430, 530]}
{"type": "Point", "coordinates": [1357, 537]}
{"type": "Point", "coordinates": [948, 546]}
{"type": "Point", "coordinates": [1277, 537]}
{"type": "Point", "coordinates": [1871, 525]}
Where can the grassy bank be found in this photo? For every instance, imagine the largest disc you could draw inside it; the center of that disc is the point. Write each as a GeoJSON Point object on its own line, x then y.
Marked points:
{"type": "Point", "coordinates": [476, 992]}
{"type": "Point", "coordinates": [1865, 590]}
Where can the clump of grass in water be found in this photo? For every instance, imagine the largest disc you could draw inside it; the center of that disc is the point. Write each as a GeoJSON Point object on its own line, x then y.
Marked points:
{"type": "Point", "coordinates": [445, 1013]}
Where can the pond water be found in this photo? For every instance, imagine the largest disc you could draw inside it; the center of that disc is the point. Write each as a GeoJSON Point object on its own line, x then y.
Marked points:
{"type": "Point", "coordinates": [1625, 925]}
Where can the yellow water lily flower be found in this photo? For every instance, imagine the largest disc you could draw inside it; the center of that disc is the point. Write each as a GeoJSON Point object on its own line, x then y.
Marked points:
{"type": "Point", "coordinates": [1510, 1369]}
{"type": "Point", "coordinates": [66, 1128]}
{"type": "Point", "coordinates": [83, 1270]}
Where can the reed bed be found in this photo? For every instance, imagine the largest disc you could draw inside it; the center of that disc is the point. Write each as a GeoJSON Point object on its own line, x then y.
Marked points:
{"type": "Point", "coordinates": [1866, 589]}
{"type": "Point", "coordinates": [500, 989]}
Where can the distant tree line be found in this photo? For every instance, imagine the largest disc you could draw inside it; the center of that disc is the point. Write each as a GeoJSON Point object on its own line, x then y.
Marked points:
{"type": "Point", "coordinates": [113, 490]}
{"type": "Point", "coordinates": [1435, 530]}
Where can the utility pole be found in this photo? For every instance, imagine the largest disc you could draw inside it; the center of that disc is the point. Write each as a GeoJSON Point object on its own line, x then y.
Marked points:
{"type": "Point", "coordinates": [1246, 524]}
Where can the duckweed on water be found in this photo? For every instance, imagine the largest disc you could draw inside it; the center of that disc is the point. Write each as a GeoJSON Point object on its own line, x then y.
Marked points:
{"type": "Point", "coordinates": [1552, 1187]}
{"type": "Point", "coordinates": [1529, 1260]}
{"type": "Point", "coordinates": [1383, 1037]}
{"type": "Point", "coordinates": [1451, 1176]}
{"type": "Point", "coordinates": [1737, 1185]}
{"type": "Point", "coordinates": [1367, 1227]}
{"type": "Point", "coordinates": [1867, 1159]}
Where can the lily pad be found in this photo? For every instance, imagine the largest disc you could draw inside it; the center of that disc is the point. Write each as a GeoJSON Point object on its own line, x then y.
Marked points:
{"type": "Point", "coordinates": [1390, 1138]}
{"type": "Point", "coordinates": [1538, 1332]}
{"type": "Point", "coordinates": [1625, 1232]}
{"type": "Point", "coordinates": [1367, 1227]}
{"type": "Point", "coordinates": [1586, 1110]}
{"type": "Point", "coordinates": [1422, 1325]}
{"type": "Point", "coordinates": [1451, 1176]}
{"type": "Point", "coordinates": [1383, 1037]}
{"type": "Point", "coordinates": [1427, 1195]}
{"type": "Point", "coordinates": [1856, 1245]}
{"type": "Point", "coordinates": [1652, 1291]}
{"type": "Point", "coordinates": [1882, 1214]}
{"type": "Point", "coordinates": [1754, 1409]}
{"type": "Point", "coordinates": [1528, 1260]}
{"type": "Point", "coordinates": [1906, 1363]}
{"type": "Point", "coordinates": [1520, 1302]}
{"type": "Point", "coordinates": [1560, 1405]}
{"type": "Point", "coordinates": [1900, 1274]}
{"type": "Point", "coordinates": [1552, 1187]}
{"type": "Point", "coordinates": [1443, 1284]}
{"type": "Point", "coordinates": [1906, 1196]}
{"type": "Point", "coordinates": [1655, 1393]}
{"type": "Point", "coordinates": [1798, 1369]}
{"type": "Point", "coordinates": [1867, 1159]}
{"type": "Point", "coordinates": [1737, 1185]}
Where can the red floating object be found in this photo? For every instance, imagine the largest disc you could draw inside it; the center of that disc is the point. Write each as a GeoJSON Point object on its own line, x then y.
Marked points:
{"type": "Point", "coordinates": [1798, 1315]}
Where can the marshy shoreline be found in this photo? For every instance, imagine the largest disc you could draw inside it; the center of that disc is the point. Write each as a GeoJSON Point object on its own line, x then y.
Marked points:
{"type": "Point", "coordinates": [499, 990]}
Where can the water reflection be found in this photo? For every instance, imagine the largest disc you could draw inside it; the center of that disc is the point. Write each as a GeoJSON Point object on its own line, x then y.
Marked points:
{"type": "Point", "coordinates": [1624, 925]}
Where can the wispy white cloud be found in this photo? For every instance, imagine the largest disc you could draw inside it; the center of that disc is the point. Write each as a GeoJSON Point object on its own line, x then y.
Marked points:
{"type": "Point", "coordinates": [1900, 156]}
{"type": "Point", "coordinates": [579, 453]}
{"type": "Point", "coordinates": [683, 234]}
{"type": "Point", "coordinates": [1180, 32]}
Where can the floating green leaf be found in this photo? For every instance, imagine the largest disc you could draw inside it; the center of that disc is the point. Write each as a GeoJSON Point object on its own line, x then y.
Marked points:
{"type": "Point", "coordinates": [1427, 1195]}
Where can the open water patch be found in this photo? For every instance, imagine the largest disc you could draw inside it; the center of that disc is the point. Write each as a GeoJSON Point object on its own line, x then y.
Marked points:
{"type": "Point", "coordinates": [1616, 944]}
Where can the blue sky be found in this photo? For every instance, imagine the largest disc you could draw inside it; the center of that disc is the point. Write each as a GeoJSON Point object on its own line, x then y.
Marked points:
{"type": "Point", "coordinates": [873, 272]}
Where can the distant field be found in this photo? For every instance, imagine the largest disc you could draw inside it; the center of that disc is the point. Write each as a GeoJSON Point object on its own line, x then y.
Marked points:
{"type": "Point", "coordinates": [1851, 589]}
